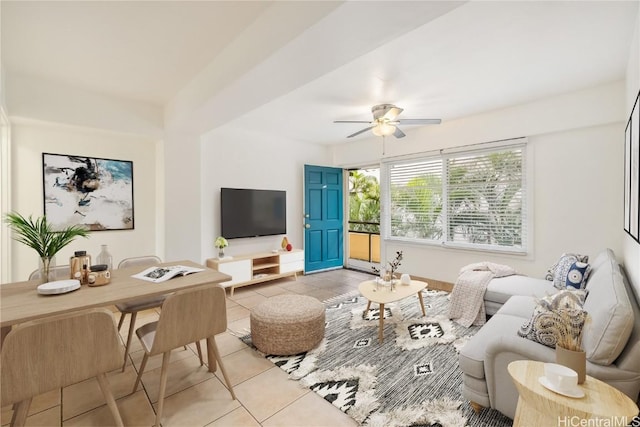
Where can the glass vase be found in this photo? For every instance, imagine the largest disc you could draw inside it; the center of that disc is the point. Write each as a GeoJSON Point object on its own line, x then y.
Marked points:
{"type": "Point", "coordinates": [46, 267]}
{"type": "Point", "coordinates": [104, 257]}
{"type": "Point", "coordinates": [220, 253]}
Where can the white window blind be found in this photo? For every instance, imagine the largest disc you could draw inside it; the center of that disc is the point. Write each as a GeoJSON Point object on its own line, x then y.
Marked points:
{"type": "Point", "coordinates": [416, 199]}
{"type": "Point", "coordinates": [466, 199]}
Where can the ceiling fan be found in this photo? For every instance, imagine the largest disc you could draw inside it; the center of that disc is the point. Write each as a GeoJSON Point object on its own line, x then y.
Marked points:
{"type": "Point", "coordinates": [385, 121]}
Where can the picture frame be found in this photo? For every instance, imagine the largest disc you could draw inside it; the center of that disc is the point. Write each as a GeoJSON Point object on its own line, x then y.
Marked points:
{"type": "Point", "coordinates": [632, 173]}
{"type": "Point", "coordinates": [93, 192]}
{"type": "Point", "coordinates": [627, 178]}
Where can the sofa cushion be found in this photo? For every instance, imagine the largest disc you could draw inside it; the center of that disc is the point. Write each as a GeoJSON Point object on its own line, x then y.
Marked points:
{"type": "Point", "coordinates": [610, 311]}
{"type": "Point", "coordinates": [552, 270]}
{"type": "Point", "coordinates": [556, 318]}
{"type": "Point", "coordinates": [578, 275]}
{"type": "Point", "coordinates": [601, 258]}
{"type": "Point", "coordinates": [519, 306]}
{"type": "Point", "coordinates": [502, 288]}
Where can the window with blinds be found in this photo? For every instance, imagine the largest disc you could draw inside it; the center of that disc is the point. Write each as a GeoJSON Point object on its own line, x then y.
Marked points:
{"type": "Point", "coordinates": [472, 199]}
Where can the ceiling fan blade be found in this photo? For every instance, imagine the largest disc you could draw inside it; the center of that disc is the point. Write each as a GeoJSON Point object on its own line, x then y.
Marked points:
{"type": "Point", "coordinates": [392, 113]}
{"type": "Point", "coordinates": [420, 121]}
{"type": "Point", "coordinates": [360, 131]}
{"type": "Point", "coordinates": [398, 133]}
{"type": "Point", "coordinates": [352, 121]}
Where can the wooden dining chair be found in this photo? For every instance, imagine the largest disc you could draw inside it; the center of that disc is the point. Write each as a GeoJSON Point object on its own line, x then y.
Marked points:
{"type": "Point", "coordinates": [52, 353]}
{"type": "Point", "coordinates": [137, 305]}
{"type": "Point", "coordinates": [187, 316]}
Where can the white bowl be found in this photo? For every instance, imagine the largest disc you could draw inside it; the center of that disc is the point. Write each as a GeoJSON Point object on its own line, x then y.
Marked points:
{"type": "Point", "coordinates": [59, 287]}
{"type": "Point", "coordinates": [561, 377]}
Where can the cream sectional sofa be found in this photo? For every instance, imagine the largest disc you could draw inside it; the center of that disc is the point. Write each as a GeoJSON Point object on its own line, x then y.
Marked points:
{"type": "Point", "coordinates": [611, 337]}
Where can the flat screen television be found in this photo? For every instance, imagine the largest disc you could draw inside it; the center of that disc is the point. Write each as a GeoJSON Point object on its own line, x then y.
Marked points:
{"type": "Point", "coordinates": [252, 213]}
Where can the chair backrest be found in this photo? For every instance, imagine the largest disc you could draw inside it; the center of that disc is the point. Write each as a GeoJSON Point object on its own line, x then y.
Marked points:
{"type": "Point", "coordinates": [48, 354]}
{"type": "Point", "coordinates": [190, 315]}
{"type": "Point", "coordinates": [60, 272]}
{"type": "Point", "coordinates": [140, 261]}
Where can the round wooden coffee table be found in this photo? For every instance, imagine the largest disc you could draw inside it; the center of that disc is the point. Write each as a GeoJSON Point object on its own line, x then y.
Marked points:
{"type": "Point", "coordinates": [538, 406]}
{"type": "Point", "coordinates": [383, 294]}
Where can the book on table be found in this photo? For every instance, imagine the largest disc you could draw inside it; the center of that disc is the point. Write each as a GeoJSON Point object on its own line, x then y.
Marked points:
{"type": "Point", "coordinates": [162, 274]}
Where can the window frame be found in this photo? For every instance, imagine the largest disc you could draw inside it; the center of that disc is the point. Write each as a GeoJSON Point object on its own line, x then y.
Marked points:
{"type": "Point", "coordinates": [443, 155]}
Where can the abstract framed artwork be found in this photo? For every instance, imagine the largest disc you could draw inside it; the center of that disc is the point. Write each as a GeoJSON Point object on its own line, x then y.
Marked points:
{"type": "Point", "coordinates": [93, 192]}
{"type": "Point", "coordinates": [632, 173]}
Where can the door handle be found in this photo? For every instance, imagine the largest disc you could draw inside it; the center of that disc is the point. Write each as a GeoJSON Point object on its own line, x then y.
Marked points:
{"type": "Point", "coordinates": [307, 226]}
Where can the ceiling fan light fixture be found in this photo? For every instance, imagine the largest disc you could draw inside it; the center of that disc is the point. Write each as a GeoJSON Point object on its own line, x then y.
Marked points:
{"type": "Point", "coordinates": [383, 129]}
{"type": "Point", "coordinates": [385, 121]}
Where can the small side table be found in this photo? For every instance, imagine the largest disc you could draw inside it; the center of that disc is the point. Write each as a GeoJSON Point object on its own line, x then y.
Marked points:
{"type": "Point", "coordinates": [538, 406]}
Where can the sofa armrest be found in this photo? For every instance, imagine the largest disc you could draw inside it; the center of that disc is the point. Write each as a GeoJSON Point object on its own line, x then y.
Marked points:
{"type": "Point", "coordinates": [527, 349]}
{"type": "Point", "coordinates": [501, 351]}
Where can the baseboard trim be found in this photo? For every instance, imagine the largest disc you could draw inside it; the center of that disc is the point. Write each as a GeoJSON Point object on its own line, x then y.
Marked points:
{"type": "Point", "coordinates": [435, 284]}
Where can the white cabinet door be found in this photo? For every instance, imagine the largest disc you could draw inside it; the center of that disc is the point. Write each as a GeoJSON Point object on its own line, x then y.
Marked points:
{"type": "Point", "coordinates": [240, 271]}
{"type": "Point", "coordinates": [292, 261]}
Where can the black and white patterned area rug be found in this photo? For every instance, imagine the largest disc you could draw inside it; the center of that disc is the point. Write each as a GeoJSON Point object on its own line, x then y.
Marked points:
{"type": "Point", "coordinates": [411, 379]}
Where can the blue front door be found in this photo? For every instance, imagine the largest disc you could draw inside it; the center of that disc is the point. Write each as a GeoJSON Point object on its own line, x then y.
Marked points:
{"type": "Point", "coordinates": [323, 238]}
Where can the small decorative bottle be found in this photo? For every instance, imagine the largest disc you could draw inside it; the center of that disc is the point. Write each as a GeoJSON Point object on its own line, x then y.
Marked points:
{"type": "Point", "coordinates": [104, 257]}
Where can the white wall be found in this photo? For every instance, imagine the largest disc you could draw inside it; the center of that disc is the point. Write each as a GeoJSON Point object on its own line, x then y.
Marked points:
{"type": "Point", "coordinates": [182, 198]}
{"type": "Point", "coordinates": [631, 248]}
{"type": "Point", "coordinates": [42, 100]}
{"type": "Point", "coordinates": [30, 139]}
{"type": "Point", "coordinates": [576, 143]}
{"type": "Point", "coordinates": [239, 159]}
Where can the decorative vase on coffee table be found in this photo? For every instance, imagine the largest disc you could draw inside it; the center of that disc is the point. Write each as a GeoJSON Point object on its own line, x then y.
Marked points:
{"type": "Point", "coordinates": [576, 360]}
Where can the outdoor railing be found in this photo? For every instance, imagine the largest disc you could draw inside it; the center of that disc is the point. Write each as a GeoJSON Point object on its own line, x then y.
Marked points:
{"type": "Point", "coordinates": [364, 245]}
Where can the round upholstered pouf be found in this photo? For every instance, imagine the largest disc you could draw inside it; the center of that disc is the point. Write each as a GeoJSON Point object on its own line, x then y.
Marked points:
{"type": "Point", "coordinates": [287, 324]}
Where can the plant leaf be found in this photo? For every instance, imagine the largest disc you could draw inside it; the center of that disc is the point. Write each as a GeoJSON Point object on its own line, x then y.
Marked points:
{"type": "Point", "coordinates": [39, 235]}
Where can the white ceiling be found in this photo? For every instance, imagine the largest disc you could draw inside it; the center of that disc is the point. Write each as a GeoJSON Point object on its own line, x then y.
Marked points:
{"type": "Point", "coordinates": [141, 50]}
{"type": "Point", "coordinates": [291, 68]}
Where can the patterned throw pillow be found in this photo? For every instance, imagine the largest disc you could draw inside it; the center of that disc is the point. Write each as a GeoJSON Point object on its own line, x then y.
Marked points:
{"type": "Point", "coordinates": [578, 275]}
{"type": "Point", "coordinates": [551, 312]}
{"type": "Point", "coordinates": [562, 269]}
{"type": "Point", "coordinates": [552, 270]}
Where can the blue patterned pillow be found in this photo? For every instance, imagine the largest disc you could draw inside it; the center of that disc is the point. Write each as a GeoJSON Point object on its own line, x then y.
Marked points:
{"type": "Point", "coordinates": [565, 260]}
{"type": "Point", "coordinates": [562, 269]}
{"type": "Point", "coordinates": [577, 275]}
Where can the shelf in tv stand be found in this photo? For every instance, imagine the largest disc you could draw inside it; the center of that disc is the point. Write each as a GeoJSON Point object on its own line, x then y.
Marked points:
{"type": "Point", "coordinates": [260, 267]}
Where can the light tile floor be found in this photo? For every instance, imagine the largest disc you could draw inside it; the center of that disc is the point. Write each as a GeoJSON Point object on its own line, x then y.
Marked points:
{"type": "Point", "coordinates": [196, 397]}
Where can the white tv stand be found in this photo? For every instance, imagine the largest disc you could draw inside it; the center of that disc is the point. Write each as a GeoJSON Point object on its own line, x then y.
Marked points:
{"type": "Point", "coordinates": [258, 267]}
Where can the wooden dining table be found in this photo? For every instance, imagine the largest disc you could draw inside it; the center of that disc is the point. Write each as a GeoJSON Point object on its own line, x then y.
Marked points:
{"type": "Point", "coordinates": [20, 301]}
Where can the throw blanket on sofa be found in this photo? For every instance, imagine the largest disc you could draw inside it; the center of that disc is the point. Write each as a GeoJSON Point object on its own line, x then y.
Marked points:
{"type": "Point", "coordinates": [467, 297]}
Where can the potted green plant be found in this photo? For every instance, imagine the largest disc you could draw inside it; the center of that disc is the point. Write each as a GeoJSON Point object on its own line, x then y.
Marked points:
{"type": "Point", "coordinates": [39, 235]}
